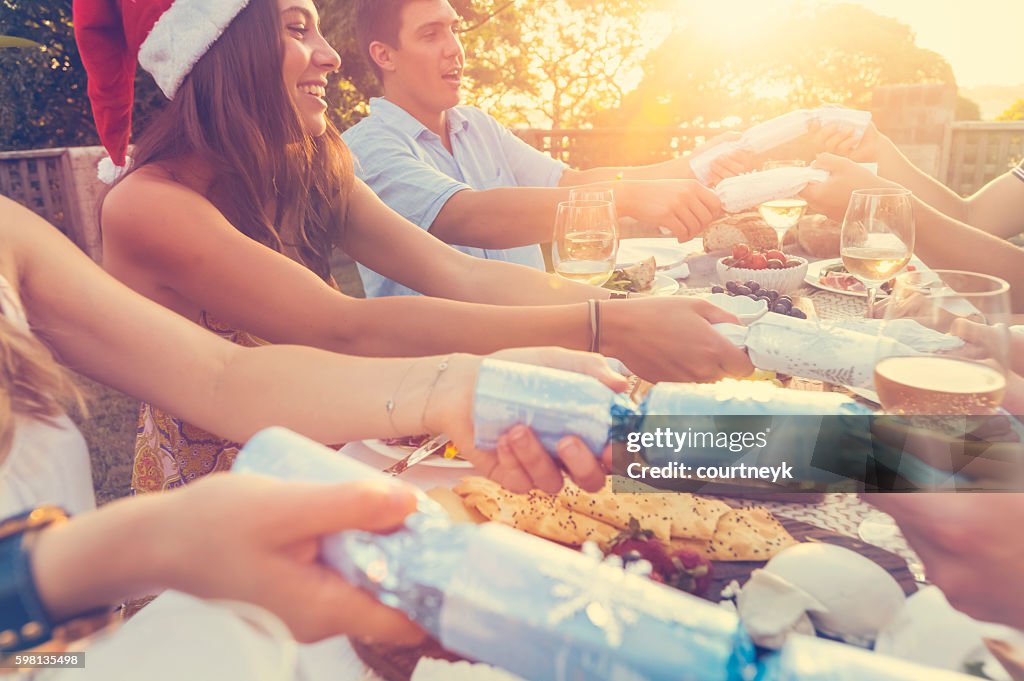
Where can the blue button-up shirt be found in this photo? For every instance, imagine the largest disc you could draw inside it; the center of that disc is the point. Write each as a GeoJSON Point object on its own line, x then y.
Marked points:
{"type": "Point", "coordinates": [408, 167]}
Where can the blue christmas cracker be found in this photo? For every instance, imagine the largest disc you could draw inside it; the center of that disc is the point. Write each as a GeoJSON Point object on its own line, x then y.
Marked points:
{"type": "Point", "coordinates": [543, 611]}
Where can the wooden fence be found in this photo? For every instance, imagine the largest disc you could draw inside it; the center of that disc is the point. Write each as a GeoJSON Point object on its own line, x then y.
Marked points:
{"type": "Point", "coordinates": [61, 186]}
{"type": "Point", "coordinates": [977, 152]}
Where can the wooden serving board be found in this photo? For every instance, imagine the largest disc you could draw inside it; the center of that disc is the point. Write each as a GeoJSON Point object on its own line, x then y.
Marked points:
{"type": "Point", "coordinates": [394, 663]}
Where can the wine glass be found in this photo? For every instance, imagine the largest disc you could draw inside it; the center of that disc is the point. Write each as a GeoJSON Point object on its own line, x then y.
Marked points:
{"type": "Point", "coordinates": [877, 238]}
{"type": "Point", "coordinates": [937, 395]}
{"type": "Point", "coordinates": [586, 241]}
{"type": "Point", "coordinates": [592, 194]}
{"type": "Point", "coordinates": [781, 214]}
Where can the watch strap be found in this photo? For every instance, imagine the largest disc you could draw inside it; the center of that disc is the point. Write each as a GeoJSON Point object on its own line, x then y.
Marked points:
{"type": "Point", "coordinates": [24, 622]}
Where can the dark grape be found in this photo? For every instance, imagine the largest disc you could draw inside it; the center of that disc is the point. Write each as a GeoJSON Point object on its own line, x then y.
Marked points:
{"type": "Point", "coordinates": [753, 286]}
{"type": "Point", "coordinates": [785, 299]}
{"type": "Point", "coordinates": [781, 307]}
{"type": "Point", "coordinates": [741, 290]}
{"type": "Point", "coordinates": [798, 313]}
{"type": "Point", "coordinates": [717, 289]}
{"type": "Point", "coordinates": [731, 286]}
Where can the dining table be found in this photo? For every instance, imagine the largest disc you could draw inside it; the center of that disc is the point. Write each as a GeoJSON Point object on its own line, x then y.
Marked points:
{"type": "Point", "coordinates": [839, 512]}
{"type": "Point", "coordinates": [335, 659]}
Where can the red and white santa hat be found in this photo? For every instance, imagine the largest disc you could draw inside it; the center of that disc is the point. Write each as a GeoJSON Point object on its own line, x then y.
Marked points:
{"type": "Point", "coordinates": [167, 37]}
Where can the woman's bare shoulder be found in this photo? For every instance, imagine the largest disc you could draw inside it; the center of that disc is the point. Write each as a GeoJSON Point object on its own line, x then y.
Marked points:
{"type": "Point", "coordinates": [150, 208]}
{"type": "Point", "coordinates": [138, 192]}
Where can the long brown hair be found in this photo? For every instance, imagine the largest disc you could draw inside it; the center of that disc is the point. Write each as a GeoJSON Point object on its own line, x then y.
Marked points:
{"type": "Point", "coordinates": [32, 383]}
{"type": "Point", "coordinates": [234, 112]}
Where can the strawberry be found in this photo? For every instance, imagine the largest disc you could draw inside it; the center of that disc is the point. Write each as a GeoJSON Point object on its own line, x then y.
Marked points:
{"type": "Point", "coordinates": [740, 251]}
{"type": "Point", "coordinates": [693, 572]}
{"type": "Point", "coordinates": [635, 542]}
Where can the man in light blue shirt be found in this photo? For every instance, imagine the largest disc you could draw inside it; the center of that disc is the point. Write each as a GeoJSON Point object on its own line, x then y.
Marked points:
{"type": "Point", "coordinates": [410, 169]}
{"type": "Point", "coordinates": [456, 172]}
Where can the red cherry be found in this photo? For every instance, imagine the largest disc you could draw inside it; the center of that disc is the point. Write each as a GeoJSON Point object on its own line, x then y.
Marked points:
{"type": "Point", "coordinates": [792, 263]}
{"type": "Point", "coordinates": [775, 264]}
{"type": "Point", "coordinates": [775, 254]}
{"type": "Point", "coordinates": [757, 261]}
{"type": "Point", "coordinates": [740, 251]}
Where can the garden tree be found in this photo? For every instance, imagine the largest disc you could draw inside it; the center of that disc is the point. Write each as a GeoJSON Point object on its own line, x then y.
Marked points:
{"type": "Point", "coordinates": [543, 62]}
{"type": "Point", "coordinates": [801, 58]}
{"type": "Point", "coordinates": [43, 100]}
{"type": "Point", "coordinates": [1014, 113]}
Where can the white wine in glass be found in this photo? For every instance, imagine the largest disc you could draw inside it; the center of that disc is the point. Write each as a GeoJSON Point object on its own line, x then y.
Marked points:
{"type": "Point", "coordinates": [781, 214]}
{"type": "Point", "coordinates": [877, 238]}
{"type": "Point", "coordinates": [586, 241]}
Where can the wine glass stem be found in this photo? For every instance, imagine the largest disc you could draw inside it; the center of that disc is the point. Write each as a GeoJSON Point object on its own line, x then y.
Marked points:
{"type": "Point", "coordinates": [871, 301]}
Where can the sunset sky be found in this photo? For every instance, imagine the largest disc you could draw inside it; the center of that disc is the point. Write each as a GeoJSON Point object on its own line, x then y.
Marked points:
{"type": "Point", "coordinates": [980, 38]}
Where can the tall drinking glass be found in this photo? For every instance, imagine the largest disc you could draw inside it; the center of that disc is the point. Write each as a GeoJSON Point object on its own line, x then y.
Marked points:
{"type": "Point", "coordinates": [950, 387]}
{"type": "Point", "coordinates": [586, 241]}
{"type": "Point", "coordinates": [877, 238]}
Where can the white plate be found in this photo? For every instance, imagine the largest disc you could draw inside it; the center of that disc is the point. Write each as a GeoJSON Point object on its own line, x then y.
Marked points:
{"type": "Point", "coordinates": [399, 453]}
{"type": "Point", "coordinates": [668, 253]}
{"type": "Point", "coordinates": [815, 269]}
{"type": "Point", "coordinates": [663, 285]}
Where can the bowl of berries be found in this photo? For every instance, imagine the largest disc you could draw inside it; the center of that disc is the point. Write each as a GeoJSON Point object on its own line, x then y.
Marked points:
{"type": "Point", "coordinates": [771, 269]}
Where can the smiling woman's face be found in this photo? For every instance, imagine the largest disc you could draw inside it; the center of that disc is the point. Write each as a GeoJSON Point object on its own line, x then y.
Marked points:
{"type": "Point", "coordinates": [308, 59]}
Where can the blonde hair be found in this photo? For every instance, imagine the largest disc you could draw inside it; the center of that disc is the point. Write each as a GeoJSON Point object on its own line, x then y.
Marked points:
{"type": "Point", "coordinates": [32, 383]}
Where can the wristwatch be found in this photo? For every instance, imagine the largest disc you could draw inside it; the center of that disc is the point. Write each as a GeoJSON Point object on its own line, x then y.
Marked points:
{"type": "Point", "coordinates": [619, 295]}
{"type": "Point", "coordinates": [24, 622]}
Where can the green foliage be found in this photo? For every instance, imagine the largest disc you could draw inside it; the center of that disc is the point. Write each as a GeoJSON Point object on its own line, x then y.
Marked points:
{"type": "Point", "coordinates": [43, 100]}
{"type": "Point", "coordinates": [7, 42]}
{"type": "Point", "coordinates": [1014, 113]}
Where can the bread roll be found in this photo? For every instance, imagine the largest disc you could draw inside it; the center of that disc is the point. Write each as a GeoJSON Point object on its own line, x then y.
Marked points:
{"type": "Point", "coordinates": [739, 228]}
{"type": "Point", "coordinates": [818, 236]}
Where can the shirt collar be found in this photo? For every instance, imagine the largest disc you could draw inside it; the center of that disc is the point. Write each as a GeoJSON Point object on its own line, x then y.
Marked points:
{"type": "Point", "coordinates": [390, 113]}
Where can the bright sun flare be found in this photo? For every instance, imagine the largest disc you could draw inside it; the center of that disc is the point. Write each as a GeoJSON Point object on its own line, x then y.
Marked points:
{"type": "Point", "coordinates": [731, 21]}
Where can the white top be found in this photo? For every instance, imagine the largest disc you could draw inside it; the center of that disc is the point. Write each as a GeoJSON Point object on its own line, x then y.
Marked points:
{"type": "Point", "coordinates": [47, 463]}
{"type": "Point", "coordinates": [408, 167]}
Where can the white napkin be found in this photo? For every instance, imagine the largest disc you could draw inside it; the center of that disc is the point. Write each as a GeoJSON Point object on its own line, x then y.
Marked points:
{"type": "Point", "coordinates": [778, 131]}
{"type": "Point", "coordinates": [929, 631]}
{"type": "Point", "coordinates": [800, 347]}
{"type": "Point", "coordinates": [743, 192]}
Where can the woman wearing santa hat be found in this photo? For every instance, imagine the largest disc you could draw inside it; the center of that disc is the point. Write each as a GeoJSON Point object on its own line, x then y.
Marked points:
{"type": "Point", "coordinates": [241, 187]}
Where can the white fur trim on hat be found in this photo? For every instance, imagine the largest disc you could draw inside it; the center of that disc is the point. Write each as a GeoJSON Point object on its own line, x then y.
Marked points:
{"type": "Point", "coordinates": [182, 35]}
{"type": "Point", "coordinates": [108, 173]}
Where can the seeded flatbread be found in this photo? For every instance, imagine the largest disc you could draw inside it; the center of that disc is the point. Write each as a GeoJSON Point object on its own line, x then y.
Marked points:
{"type": "Point", "coordinates": [748, 534]}
{"type": "Point", "coordinates": [666, 514]}
{"type": "Point", "coordinates": [537, 513]}
{"type": "Point", "coordinates": [617, 508]}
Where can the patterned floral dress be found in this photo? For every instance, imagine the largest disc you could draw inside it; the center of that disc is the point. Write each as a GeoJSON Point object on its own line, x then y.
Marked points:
{"type": "Point", "coordinates": [170, 452]}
